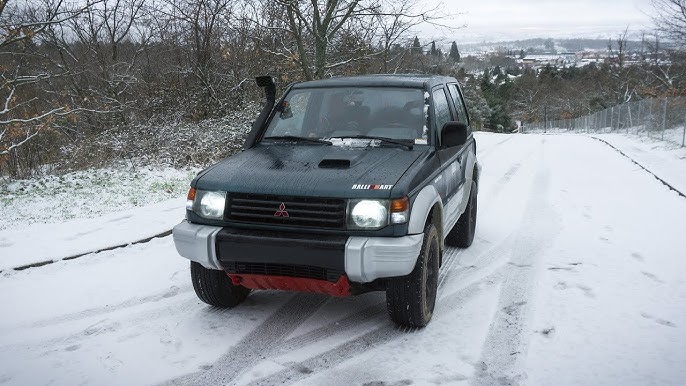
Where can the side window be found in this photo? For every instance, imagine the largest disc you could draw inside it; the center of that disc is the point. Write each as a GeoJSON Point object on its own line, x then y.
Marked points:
{"type": "Point", "coordinates": [455, 94]}
{"type": "Point", "coordinates": [441, 109]}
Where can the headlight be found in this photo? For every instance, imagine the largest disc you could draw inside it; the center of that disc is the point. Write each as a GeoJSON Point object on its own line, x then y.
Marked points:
{"type": "Point", "coordinates": [369, 214]}
{"type": "Point", "coordinates": [374, 214]}
{"type": "Point", "coordinates": [210, 205]}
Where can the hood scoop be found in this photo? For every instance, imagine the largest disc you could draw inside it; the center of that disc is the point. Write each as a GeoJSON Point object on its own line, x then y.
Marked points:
{"type": "Point", "coordinates": [342, 160]}
{"type": "Point", "coordinates": [335, 163]}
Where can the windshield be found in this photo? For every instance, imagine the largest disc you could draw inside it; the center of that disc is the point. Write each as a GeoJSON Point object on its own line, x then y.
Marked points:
{"type": "Point", "coordinates": [395, 113]}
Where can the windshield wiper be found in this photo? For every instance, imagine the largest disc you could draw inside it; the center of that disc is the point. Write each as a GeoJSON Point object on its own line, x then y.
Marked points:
{"type": "Point", "coordinates": [400, 142]}
{"type": "Point", "coordinates": [299, 139]}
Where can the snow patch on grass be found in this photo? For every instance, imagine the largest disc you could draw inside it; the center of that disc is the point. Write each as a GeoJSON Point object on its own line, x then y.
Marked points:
{"type": "Point", "coordinates": [88, 193]}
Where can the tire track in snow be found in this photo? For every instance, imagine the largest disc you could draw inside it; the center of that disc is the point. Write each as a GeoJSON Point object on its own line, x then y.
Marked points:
{"type": "Point", "coordinates": [491, 148]}
{"type": "Point", "coordinates": [169, 293]}
{"type": "Point", "coordinates": [259, 343]}
{"type": "Point", "coordinates": [375, 312]}
{"type": "Point", "coordinates": [62, 335]}
{"type": "Point", "coordinates": [383, 334]}
{"type": "Point", "coordinates": [501, 358]}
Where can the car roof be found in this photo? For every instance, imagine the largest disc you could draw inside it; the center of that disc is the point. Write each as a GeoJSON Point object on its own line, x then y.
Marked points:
{"type": "Point", "coordinates": [379, 80]}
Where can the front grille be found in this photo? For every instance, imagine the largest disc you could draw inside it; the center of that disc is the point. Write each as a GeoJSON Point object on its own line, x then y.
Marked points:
{"type": "Point", "coordinates": [288, 270]}
{"type": "Point", "coordinates": [286, 210]}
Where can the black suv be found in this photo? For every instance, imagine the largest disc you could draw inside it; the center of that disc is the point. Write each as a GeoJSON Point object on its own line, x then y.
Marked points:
{"type": "Point", "coordinates": [345, 185]}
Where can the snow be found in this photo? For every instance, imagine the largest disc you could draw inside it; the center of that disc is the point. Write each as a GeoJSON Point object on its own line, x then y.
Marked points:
{"type": "Point", "coordinates": [88, 194]}
{"type": "Point", "coordinates": [576, 276]}
{"type": "Point", "coordinates": [613, 291]}
{"type": "Point", "coordinates": [42, 242]}
{"type": "Point", "coordinates": [667, 160]}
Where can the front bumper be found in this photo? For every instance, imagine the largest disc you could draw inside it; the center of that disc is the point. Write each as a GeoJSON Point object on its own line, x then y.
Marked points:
{"type": "Point", "coordinates": [362, 259]}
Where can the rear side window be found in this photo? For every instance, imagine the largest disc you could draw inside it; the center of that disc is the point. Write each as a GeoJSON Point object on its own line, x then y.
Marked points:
{"type": "Point", "coordinates": [441, 109]}
{"type": "Point", "coordinates": [455, 94]}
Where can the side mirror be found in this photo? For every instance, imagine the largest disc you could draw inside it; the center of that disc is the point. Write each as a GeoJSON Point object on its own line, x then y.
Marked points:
{"type": "Point", "coordinates": [453, 134]}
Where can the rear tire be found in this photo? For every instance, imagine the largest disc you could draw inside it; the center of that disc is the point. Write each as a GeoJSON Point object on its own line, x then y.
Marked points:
{"type": "Point", "coordinates": [462, 234]}
{"type": "Point", "coordinates": [215, 287]}
{"type": "Point", "coordinates": [410, 299]}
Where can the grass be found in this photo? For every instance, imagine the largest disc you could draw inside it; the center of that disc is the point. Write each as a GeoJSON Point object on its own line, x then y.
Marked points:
{"type": "Point", "coordinates": [87, 193]}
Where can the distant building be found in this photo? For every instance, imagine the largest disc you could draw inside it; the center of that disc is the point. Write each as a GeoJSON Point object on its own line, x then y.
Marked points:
{"type": "Point", "coordinates": [536, 61]}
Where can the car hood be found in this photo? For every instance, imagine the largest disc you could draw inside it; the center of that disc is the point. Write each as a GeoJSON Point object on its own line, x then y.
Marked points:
{"type": "Point", "coordinates": [311, 170]}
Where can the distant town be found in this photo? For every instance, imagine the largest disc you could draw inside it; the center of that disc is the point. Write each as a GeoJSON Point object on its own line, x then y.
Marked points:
{"type": "Point", "coordinates": [539, 53]}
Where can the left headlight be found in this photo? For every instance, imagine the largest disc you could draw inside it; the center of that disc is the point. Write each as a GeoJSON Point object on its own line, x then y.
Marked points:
{"type": "Point", "coordinates": [375, 214]}
{"type": "Point", "coordinates": [207, 204]}
{"type": "Point", "coordinates": [368, 214]}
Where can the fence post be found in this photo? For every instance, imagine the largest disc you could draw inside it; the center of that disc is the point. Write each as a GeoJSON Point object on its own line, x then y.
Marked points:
{"type": "Point", "coordinates": [631, 121]}
{"type": "Point", "coordinates": [545, 119]}
{"type": "Point", "coordinates": [664, 120]}
{"type": "Point", "coordinates": [650, 114]}
{"type": "Point", "coordinates": [638, 119]}
{"type": "Point", "coordinates": [683, 136]}
{"type": "Point", "coordinates": [612, 117]}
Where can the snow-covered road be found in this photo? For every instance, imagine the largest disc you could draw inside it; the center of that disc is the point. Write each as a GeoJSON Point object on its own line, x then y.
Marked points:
{"type": "Point", "coordinates": [577, 276]}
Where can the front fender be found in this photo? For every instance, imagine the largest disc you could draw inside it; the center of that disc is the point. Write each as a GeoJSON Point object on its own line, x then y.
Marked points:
{"type": "Point", "coordinates": [421, 207]}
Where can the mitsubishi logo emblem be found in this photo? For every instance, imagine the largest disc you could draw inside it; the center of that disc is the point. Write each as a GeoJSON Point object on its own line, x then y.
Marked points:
{"type": "Point", "coordinates": [282, 211]}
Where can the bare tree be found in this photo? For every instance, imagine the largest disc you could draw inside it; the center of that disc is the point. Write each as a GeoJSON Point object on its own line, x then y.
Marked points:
{"type": "Point", "coordinates": [622, 79]}
{"type": "Point", "coordinates": [319, 28]}
{"type": "Point", "coordinates": [23, 112]}
{"type": "Point", "coordinates": [670, 17]}
{"type": "Point", "coordinates": [393, 24]}
{"type": "Point", "coordinates": [201, 25]}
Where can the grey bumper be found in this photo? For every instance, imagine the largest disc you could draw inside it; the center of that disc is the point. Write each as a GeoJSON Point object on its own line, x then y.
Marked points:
{"type": "Point", "coordinates": [196, 242]}
{"type": "Point", "coordinates": [370, 258]}
{"type": "Point", "coordinates": [366, 258]}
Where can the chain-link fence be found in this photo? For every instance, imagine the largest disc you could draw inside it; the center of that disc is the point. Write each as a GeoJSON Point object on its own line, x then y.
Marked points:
{"type": "Point", "coordinates": [663, 119]}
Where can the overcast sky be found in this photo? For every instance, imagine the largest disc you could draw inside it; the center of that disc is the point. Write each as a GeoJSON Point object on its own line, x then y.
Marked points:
{"type": "Point", "coordinates": [516, 19]}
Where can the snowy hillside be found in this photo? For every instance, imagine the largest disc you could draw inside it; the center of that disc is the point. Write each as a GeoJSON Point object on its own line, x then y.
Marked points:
{"type": "Point", "coordinates": [576, 276]}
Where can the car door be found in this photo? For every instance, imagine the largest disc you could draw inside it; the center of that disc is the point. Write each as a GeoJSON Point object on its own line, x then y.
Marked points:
{"type": "Point", "coordinates": [462, 116]}
{"type": "Point", "coordinates": [449, 157]}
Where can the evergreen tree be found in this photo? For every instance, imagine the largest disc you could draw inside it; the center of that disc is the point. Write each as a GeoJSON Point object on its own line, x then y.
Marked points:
{"type": "Point", "coordinates": [416, 46]}
{"type": "Point", "coordinates": [433, 52]}
{"type": "Point", "coordinates": [496, 95]}
{"type": "Point", "coordinates": [454, 53]}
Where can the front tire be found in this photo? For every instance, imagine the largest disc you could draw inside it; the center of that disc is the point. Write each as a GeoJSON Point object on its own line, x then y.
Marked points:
{"type": "Point", "coordinates": [462, 234]}
{"type": "Point", "coordinates": [215, 287]}
{"type": "Point", "coordinates": [410, 299]}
